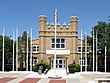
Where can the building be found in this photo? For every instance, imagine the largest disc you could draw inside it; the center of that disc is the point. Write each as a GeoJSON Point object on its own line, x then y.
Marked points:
{"type": "Point", "coordinates": [67, 43]}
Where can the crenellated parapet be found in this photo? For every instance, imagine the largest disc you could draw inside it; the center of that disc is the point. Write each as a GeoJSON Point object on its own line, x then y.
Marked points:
{"type": "Point", "coordinates": [42, 18]}
{"type": "Point", "coordinates": [42, 22]}
{"type": "Point", "coordinates": [46, 26]}
{"type": "Point", "coordinates": [74, 23]}
{"type": "Point", "coordinates": [74, 18]}
{"type": "Point", "coordinates": [64, 26]}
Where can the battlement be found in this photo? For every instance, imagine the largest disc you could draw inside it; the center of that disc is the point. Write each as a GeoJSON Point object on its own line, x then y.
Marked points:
{"type": "Point", "coordinates": [59, 26]}
{"type": "Point", "coordinates": [74, 18]}
{"type": "Point", "coordinates": [42, 18]}
{"type": "Point", "coordinates": [44, 25]}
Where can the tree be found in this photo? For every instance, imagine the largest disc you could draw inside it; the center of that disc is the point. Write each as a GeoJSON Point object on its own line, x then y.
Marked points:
{"type": "Point", "coordinates": [22, 46]}
{"type": "Point", "coordinates": [8, 50]}
{"type": "Point", "coordinates": [103, 33]}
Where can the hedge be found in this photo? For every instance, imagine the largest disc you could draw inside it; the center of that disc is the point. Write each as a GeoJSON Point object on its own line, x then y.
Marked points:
{"type": "Point", "coordinates": [74, 68]}
{"type": "Point", "coordinates": [36, 66]}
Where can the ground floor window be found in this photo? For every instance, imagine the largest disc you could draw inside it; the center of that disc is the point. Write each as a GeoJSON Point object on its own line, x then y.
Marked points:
{"type": "Point", "coordinates": [84, 62]}
{"type": "Point", "coordinates": [35, 60]}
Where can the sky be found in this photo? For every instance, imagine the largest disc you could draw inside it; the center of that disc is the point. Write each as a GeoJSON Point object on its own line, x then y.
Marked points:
{"type": "Point", "coordinates": [24, 14]}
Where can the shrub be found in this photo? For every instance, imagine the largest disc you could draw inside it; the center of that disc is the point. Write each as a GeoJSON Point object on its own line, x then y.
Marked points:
{"type": "Point", "coordinates": [74, 68]}
{"type": "Point", "coordinates": [44, 64]}
{"type": "Point", "coordinates": [35, 68]}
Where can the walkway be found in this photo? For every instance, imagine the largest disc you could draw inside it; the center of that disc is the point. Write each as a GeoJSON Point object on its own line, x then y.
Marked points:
{"type": "Point", "coordinates": [32, 77]}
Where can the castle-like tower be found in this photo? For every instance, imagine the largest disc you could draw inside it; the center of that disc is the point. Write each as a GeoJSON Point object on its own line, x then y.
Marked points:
{"type": "Point", "coordinates": [66, 42]}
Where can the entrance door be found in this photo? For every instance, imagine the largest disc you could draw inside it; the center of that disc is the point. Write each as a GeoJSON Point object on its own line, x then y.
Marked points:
{"type": "Point", "coordinates": [60, 63]}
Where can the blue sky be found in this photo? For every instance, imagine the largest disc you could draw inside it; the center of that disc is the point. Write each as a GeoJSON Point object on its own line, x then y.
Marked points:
{"type": "Point", "coordinates": [24, 13]}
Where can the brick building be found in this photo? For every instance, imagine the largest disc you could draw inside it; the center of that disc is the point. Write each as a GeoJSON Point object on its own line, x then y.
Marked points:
{"type": "Point", "coordinates": [67, 43]}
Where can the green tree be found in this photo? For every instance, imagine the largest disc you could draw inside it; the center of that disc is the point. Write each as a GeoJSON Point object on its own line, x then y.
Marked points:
{"type": "Point", "coordinates": [22, 49]}
{"type": "Point", "coordinates": [8, 50]}
{"type": "Point", "coordinates": [103, 33]}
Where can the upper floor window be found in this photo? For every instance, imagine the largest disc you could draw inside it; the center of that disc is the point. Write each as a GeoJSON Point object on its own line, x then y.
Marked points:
{"type": "Point", "coordinates": [35, 48]}
{"type": "Point", "coordinates": [83, 49]}
{"type": "Point", "coordinates": [60, 43]}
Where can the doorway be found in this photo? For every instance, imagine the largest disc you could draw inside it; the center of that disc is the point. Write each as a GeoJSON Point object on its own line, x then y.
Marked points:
{"type": "Point", "coordinates": [60, 63]}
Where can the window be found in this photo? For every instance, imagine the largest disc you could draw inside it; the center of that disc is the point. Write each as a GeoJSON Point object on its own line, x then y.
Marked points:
{"type": "Point", "coordinates": [79, 49]}
{"type": "Point", "coordinates": [35, 60]}
{"type": "Point", "coordinates": [60, 43]}
{"type": "Point", "coordinates": [35, 48]}
{"type": "Point", "coordinates": [88, 49]}
{"type": "Point", "coordinates": [83, 49]}
{"type": "Point", "coordinates": [84, 61]}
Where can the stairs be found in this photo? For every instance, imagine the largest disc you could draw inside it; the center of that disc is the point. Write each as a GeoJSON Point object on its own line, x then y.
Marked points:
{"type": "Point", "coordinates": [59, 72]}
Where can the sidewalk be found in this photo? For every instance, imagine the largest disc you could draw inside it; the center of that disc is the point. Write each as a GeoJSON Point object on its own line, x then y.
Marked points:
{"type": "Point", "coordinates": [33, 77]}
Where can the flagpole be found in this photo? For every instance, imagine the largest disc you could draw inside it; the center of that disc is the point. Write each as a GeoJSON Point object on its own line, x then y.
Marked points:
{"type": "Point", "coordinates": [31, 50]}
{"type": "Point", "coordinates": [55, 43]}
{"type": "Point", "coordinates": [96, 53]}
{"type": "Point", "coordinates": [13, 50]}
{"type": "Point", "coordinates": [17, 49]}
{"type": "Point", "coordinates": [27, 53]}
{"type": "Point", "coordinates": [93, 50]}
{"type": "Point", "coordinates": [3, 53]}
{"type": "Point", "coordinates": [85, 51]}
{"type": "Point", "coordinates": [105, 58]}
{"type": "Point", "coordinates": [81, 50]}
{"type": "Point", "coordinates": [105, 51]}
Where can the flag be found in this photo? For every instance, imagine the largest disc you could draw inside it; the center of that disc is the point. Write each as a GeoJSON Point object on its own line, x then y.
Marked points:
{"type": "Point", "coordinates": [56, 15]}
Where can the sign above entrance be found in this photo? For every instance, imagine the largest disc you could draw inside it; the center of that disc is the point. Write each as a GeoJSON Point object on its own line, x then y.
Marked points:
{"type": "Point", "coordinates": [58, 51]}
